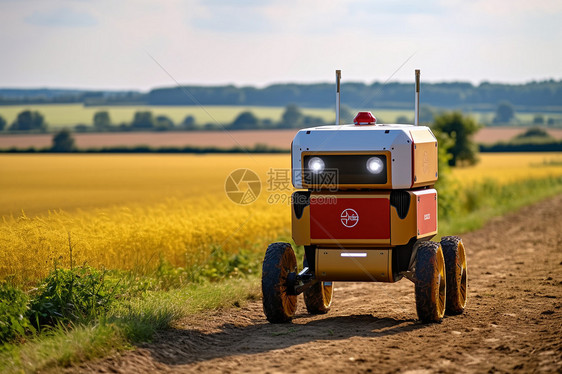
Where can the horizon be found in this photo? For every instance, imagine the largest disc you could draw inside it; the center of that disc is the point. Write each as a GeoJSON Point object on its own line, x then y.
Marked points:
{"type": "Point", "coordinates": [139, 45]}
{"type": "Point", "coordinates": [271, 84]}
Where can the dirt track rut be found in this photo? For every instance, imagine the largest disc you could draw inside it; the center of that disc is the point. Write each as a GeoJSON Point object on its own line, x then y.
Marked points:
{"type": "Point", "coordinates": [513, 321]}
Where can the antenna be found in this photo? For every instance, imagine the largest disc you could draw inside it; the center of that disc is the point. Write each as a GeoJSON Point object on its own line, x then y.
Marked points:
{"type": "Point", "coordinates": [338, 78]}
{"type": "Point", "coordinates": [417, 99]}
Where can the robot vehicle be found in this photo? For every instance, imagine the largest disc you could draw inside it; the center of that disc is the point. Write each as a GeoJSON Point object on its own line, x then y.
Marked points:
{"type": "Point", "coordinates": [366, 212]}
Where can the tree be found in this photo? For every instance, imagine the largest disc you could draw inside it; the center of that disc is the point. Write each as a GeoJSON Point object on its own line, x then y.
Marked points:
{"type": "Point", "coordinates": [163, 123]}
{"type": "Point", "coordinates": [346, 114]}
{"type": "Point", "coordinates": [102, 121]}
{"type": "Point", "coordinates": [267, 123]}
{"type": "Point", "coordinates": [534, 133]}
{"type": "Point", "coordinates": [291, 118]}
{"type": "Point", "coordinates": [460, 130]}
{"type": "Point", "coordinates": [28, 120]}
{"type": "Point", "coordinates": [403, 120]}
{"type": "Point", "coordinates": [211, 127]}
{"type": "Point", "coordinates": [446, 185]}
{"type": "Point", "coordinates": [2, 123]}
{"type": "Point", "coordinates": [63, 141]}
{"type": "Point", "coordinates": [245, 120]}
{"type": "Point", "coordinates": [143, 120]}
{"type": "Point", "coordinates": [504, 113]}
{"type": "Point", "coordinates": [538, 119]}
{"type": "Point", "coordinates": [427, 114]}
{"type": "Point", "coordinates": [189, 123]}
{"type": "Point", "coordinates": [81, 128]}
{"type": "Point", "coordinates": [312, 121]}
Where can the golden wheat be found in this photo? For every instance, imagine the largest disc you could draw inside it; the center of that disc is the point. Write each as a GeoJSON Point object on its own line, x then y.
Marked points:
{"type": "Point", "coordinates": [126, 212]}
{"type": "Point", "coordinates": [131, 211]}
{"type": "Point", "coordinates": [510, 167]}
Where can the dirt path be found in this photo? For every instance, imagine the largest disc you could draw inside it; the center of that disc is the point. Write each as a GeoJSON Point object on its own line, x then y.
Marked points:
{"type": "Point", "coordinates": [513, 322]}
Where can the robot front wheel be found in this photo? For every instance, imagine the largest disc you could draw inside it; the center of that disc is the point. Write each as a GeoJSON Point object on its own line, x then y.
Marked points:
{"type": "Point", "coordinates": [280, 302]}
{"type": "Point", "coordinates": [279, 305]}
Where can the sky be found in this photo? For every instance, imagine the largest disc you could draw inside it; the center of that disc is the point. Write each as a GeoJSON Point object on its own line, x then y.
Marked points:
{"type": "Point", "coordinates": [140, 44]}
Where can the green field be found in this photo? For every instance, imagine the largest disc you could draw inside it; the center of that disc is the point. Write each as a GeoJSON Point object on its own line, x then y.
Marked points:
{"type": "Point", "coordinates": [59, 115]}
{"type": "Point", "coordinates": [73, 114]}
{"type": "Point", "coordinates": [62, 115]}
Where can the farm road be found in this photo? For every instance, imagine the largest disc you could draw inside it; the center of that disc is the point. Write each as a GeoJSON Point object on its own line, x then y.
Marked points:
{"type": "Point", "coordinates": [513, 321]}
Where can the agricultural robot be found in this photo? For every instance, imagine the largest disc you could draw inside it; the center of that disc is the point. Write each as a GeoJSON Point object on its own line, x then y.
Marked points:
{"type": "Point", "coordinates": [365, 210]}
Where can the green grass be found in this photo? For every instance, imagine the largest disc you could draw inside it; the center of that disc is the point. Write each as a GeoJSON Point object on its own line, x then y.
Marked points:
{"type": "Point", "coordinates": [480, 202]}
{"type": "Point", "coordinates": [62, 347]}
{"type": "Point", "coordinates": [131, 321]}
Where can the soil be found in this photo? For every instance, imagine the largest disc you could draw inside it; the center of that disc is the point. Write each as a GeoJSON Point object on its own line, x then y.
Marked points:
{"type": "Point", "coordinates": [222, 139]}
{"type": "Point", "coordinates": [512, 323]}
{"type": "Point", "coordinates": [491, 135]}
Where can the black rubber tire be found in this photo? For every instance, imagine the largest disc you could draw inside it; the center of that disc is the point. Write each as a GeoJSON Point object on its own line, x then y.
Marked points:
{"type": "Point", "coordinates": [279, 261]}
{"type": "Point", "coordinates": [318, 298]}
{"type": "Point", "coordinates": [431, 282]}
{"type": "Point", "coordinates": [457, 275]}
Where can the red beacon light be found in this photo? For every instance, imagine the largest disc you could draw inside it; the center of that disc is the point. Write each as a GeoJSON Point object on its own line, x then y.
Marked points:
{"type": "Point", "coordinates": [364, 118]}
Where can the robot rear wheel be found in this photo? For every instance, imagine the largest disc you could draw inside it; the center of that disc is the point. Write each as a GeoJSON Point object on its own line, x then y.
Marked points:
{"type": "Point", "coordinates": [456, 270]}
{"type": "Point", "coordinates": [318, 297]}
{"type": "Point", "coordinates": [431, 283]}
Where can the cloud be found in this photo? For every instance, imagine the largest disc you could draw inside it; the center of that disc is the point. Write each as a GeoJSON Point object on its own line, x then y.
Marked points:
{"type": "Point", "coordinates": [227, 20]}
{"type": "Point", "coordinates": [390, 7]}
{"type": "Point", "coordinates": [61, 17]}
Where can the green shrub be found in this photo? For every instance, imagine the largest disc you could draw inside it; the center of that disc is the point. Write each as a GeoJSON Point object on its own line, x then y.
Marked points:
{"type": "Point", "coordinates": [222, 265]}
{"type": "Point", "coordinates": [446, 186]}
{"type": "Point", "coordinates": [535, 132]}
{"type": "Point", "coordinates": [13, 309]}
{"type": "Point", "coordinates": [76, 295]}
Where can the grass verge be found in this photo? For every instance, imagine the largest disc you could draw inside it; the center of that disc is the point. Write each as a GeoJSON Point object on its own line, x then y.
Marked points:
{"type": "Point", "coordinates": [128, 322]}
{"type": "Point", "coordinates": [479, 202]}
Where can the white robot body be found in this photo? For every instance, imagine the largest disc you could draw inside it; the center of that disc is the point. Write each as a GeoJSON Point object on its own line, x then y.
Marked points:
{"type": "Point", "coordinates": [412, 150]}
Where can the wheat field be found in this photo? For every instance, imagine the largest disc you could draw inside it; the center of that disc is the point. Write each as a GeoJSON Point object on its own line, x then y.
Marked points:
{"type": "Point", "coordinates": [133, 211]}
{"type": "Point", "coordinates": [129, 211]}
{"type": "Point", "coordinates": [511, 167]}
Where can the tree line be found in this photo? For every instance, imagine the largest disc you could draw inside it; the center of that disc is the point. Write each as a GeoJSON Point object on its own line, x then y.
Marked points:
{"type": "Point", "coordinates": [292, 117]}
{"type": "Point", "coordinates": [453, 130]}
{"type": "Point", "coordinates": [143, 120]}
{"type": "Point", "coordinates": [484, 96]}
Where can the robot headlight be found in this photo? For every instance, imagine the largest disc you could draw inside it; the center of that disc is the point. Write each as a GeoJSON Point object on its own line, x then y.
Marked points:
{"type": "Point", "coordinates": [344, 169]}
{"type": "Point", "coordinates": [375, 165]}
{"type": "Point", "coordinates": [316, 165]}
